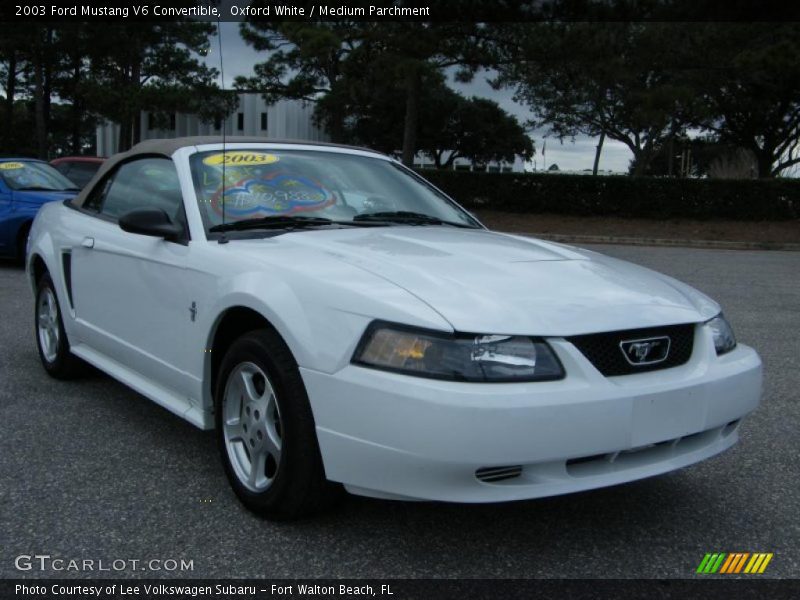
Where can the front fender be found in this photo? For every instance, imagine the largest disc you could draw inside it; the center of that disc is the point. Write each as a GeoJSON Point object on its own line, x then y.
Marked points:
{"type": "Point", "coordinates": [321, 317]}
{"type": "Point", "coordinates": [321, 323]}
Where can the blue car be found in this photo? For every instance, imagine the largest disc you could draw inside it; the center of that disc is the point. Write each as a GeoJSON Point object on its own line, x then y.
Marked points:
{"type": "Point", "coordinates": [26, 184]}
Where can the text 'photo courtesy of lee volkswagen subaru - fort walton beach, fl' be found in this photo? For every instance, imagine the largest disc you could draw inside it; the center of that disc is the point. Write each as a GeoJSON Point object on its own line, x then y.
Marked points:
{"type": "Point", "coordinates": [344, 325]}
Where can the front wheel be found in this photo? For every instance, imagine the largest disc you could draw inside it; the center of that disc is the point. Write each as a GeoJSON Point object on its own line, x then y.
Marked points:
{"type": "Point", "coordinates": [265, 430]}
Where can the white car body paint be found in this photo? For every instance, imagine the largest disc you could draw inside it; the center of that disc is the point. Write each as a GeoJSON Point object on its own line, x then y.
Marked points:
{"type": "Point", "coordinates": [390, 435]}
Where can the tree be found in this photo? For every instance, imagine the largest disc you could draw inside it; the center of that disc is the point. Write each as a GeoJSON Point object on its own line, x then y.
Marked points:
{"type": "Point", "coordinates": [450, 125]}
{"type": "Point", "coordinates": [619, 79]}
{"type": "Point", "coordinates": [309, 60]}
{"type": "Point", "coordinates": [155, 69]}
{"type": "Point", "coordinates": [42, 64]}
{"type": "Point", "coordinates": [30, 63]}
{"type": "Point", "coordinates": [77, 118]}
{"type": "Point", "coordinates": [476, 129]}
{"type": "Point", "coordinates": [113, 72]}
{"type": "Point", "coordinates": [305, 61]}
{"type": "Point", "coordinates": [704, 156]}
{"type": "Point", "coordinates": [748, 77]}
{"type": "Point", "coordinates": [363, 105]}
{"type": "Point", "coordinates": [14, 39]}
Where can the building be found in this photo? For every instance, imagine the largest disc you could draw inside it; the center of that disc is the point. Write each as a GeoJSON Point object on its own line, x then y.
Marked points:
{"type": "Point", "coordinates": [285, 119]}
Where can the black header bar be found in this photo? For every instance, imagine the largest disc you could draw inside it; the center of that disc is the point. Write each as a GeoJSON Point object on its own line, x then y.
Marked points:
{"type": "Point", "coordinates": [45, 11]}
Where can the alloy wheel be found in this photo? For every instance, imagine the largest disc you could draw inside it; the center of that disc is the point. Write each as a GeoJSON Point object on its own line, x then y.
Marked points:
{"type": "Point", "coordinates": [252, 426]}
{"type": "Point", "coordinates": [47, 324]}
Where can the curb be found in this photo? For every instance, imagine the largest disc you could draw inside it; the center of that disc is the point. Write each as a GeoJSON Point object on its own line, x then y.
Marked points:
{"type": "Point", "coordinates": [642, 241]}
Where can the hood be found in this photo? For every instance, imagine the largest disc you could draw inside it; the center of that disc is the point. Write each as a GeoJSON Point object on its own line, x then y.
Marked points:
{"type": "Point", "coordinates": [486, 282]}
{"type": "Point", "coordinates": [41, 196]}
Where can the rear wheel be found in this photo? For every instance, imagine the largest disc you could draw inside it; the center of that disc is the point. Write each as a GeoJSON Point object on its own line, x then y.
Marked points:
{"type": "Point", "coordinates": [51, 339]}
{"type": "Point", "coordinates": [265, 430]}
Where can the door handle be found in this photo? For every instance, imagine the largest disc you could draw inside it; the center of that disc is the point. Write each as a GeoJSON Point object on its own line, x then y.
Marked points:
{"type": "Point", "coordinates": [88, 242]}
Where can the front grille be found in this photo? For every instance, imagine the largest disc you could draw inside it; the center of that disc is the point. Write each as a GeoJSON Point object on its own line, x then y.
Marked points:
{"type": "Point", "coordinates": [603, 350]}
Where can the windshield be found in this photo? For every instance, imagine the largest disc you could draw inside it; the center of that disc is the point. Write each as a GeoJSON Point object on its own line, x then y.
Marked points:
{"type": "Point", "coordinates": [300, 183]}
{"type": "Point", "coordinates": [28, 175]}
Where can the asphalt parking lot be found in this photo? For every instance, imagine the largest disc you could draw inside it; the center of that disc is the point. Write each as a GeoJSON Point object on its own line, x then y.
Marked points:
{"type": "Point", "coordinates": [90, 469]}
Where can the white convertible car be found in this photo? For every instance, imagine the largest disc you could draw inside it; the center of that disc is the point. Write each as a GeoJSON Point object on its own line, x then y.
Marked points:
{"type": "Point", "coordinates": [339, 322]}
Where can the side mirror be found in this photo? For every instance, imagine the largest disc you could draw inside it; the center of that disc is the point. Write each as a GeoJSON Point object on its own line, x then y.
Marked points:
{"type": "Point", "coordinates": [151, 221]}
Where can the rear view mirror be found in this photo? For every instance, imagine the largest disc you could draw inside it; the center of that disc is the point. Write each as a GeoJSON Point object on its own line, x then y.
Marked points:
{"type": "Point", "coordinates": [151, 221]}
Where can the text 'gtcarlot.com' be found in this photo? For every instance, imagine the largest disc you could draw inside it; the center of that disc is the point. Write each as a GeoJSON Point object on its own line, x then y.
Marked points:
{"type": "Point", "coordinates": [46, 562]}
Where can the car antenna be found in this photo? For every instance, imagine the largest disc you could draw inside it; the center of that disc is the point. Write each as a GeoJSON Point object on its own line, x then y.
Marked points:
{"type": "Point", "coordinates": [223, 239]}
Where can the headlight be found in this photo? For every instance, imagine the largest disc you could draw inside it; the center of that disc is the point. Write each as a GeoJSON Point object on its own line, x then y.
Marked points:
{"type": "Point", "coordinates": [460, 357]}
{"type": "Point", "coordinates": [724, 340]}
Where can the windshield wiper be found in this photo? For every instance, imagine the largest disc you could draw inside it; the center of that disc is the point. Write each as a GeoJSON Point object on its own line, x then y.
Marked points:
{"type": "Point", "coordinates": [366, 220]}
{"type": "Point", "coordinates": [408, 218]}
{"type": "Point", "coordinates": [281, 222]}
{"type": "Point", "coordinates": [277, 221]}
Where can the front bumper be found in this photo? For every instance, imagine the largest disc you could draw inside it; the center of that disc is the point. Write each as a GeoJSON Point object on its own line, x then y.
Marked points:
{"type": "Point", "coordinates": [396, 436]}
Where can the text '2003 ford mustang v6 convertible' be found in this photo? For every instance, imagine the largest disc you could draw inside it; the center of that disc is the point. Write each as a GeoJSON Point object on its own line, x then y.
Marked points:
{"type": "Point", "coordinates": [339, 321]}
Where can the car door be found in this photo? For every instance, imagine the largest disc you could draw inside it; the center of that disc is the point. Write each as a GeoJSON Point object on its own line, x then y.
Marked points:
{"type": "Point", "coordinates": [7, 227]}
{"type": "Point", "coordinates": [130, 294]}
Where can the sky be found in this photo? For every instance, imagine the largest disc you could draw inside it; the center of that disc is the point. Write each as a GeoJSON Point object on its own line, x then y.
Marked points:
{"type": "Point", "coordinates": [569, 155]}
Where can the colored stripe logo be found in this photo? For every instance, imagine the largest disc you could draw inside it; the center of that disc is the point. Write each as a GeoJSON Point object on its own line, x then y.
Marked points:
{"type": "Point", "coordinates": [734, 562]}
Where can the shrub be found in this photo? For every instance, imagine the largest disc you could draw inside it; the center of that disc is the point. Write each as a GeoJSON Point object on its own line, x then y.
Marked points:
{"type": "Point", "coordinates": [623, 196]}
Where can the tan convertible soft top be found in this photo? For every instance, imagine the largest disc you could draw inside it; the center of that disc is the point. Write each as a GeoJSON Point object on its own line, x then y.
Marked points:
{"type": "Point", "coordinates": [168, 146]}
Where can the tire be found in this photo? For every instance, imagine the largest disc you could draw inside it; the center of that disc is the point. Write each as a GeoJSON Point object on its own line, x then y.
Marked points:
{"type": "Point", "coordinates": [265, 430]}
{"type": "Point", "coordinates": [51, 338]}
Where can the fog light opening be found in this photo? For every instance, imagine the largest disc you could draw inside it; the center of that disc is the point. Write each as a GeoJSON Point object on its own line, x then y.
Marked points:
{"type": "Point", "coordinates": [495, 474]}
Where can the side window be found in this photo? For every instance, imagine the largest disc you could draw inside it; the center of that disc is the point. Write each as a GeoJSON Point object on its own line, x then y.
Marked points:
{"type": "Point", "coordinates": [144, 183]}
{"type": "Point", "coordinates": [95, 199]}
